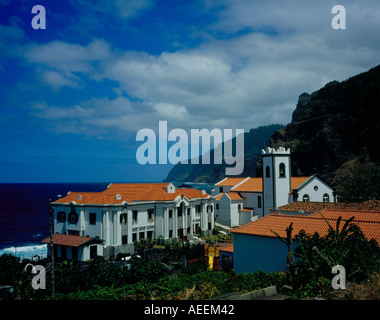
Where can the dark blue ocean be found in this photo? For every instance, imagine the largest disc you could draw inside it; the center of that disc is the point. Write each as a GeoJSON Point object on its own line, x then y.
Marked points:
{"type": "Point", "coordinates": [24, 213]}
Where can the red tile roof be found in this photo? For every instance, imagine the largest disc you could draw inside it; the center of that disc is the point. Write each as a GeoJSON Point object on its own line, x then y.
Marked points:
{"type": "Point", "coordinates": [226, 248]}
{"type": "Point", "coordinates": [295, 182]}
{"type": "Point", "coordinates": [370, 205]}
{"type": "Point", "coordinates": [360, 215]}
{"type": "Point", "coordinates": [131, 192]}
{"type": "Point", "coordinates": [256, 184]}
{"type": "Point", "coordinates": [230, 181]}
{"type": "Point", "coordinates": [69, 240]}
{"type": "Point", "coordinates": [369, 222]}
{"type": "Point", "coordinates": [231, 195]}
{"type": "Point", "coordinates": [251, 185]}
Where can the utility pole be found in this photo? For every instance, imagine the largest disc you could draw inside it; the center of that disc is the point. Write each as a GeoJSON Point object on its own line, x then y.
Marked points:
{"type": "Point", "coordinates": [51, 250]}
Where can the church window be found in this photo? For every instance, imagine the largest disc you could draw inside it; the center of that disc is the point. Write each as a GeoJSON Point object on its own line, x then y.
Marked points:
{"type": "Point", "coordinates": [306, 198]}
{"type": "Point", "coordinates": [282, 170]}
{"type": "Point", "coordinates": [267, 172]}
{"type": "Point", "coordinates": [326, 198]}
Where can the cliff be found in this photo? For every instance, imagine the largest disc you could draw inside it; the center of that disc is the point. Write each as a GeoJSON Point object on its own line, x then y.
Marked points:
{"type": "Point", "coordinates": [335, 130]}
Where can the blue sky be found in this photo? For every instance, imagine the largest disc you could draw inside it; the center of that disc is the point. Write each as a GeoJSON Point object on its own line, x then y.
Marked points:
{"type": "Point", "coordinates": [73, 96]}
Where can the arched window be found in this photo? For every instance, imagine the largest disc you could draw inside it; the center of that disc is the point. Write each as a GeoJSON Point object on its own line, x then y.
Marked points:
{"type": "Point", "coordinates": [282, 170]}
{"type": "Point", "coordinates": [306, 198]}
{"type": "Point", "coordinates": [267, 172]}
{"type": "Point", "coordinates": [326, 198]}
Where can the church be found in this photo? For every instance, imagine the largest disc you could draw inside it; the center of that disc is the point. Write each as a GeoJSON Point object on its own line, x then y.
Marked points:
{"type": "Point", "coordinates": [241, 200]}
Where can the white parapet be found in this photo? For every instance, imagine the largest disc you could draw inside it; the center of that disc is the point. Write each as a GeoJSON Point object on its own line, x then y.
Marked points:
{"type": "Point", "coordinates": [280, 150]}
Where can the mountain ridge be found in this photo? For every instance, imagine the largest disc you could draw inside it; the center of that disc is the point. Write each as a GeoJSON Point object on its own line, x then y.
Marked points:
{"type": "Point", "coordinates": [334, 131]}
{"type": "Point", "coordinates": [254, 140]}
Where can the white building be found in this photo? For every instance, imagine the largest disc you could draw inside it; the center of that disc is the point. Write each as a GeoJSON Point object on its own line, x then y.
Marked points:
{"type": "Point", "coordinates": [241, 200]}
{"type": "Point", "coordinates": [107, 223]}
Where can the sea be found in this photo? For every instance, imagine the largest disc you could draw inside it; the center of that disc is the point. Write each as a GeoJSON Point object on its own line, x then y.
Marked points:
{"type": "Point", "coordinates": [24, 213]}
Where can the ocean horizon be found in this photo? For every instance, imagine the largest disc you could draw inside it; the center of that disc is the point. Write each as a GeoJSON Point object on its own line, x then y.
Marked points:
{"type": "Point", "coordinates": [24, 213]}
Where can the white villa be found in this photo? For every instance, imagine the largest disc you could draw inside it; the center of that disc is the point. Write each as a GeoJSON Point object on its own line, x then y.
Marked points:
{"type": "Point", "coordinates": [107, 223]}
{"type": "Point", "coordinates": [242, 200]}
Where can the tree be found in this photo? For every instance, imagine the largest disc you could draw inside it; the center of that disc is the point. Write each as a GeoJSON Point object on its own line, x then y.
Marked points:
{"type": "Point", "coordinates": [10, 270]}
{"type": "Point", "coordinates": [346, 246]}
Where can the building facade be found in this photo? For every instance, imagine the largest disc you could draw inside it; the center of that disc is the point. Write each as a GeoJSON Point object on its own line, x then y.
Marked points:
{"type": "Point", "coordinates": [108, 223]}
{"type": "Point", "coordinates": [258, 196]}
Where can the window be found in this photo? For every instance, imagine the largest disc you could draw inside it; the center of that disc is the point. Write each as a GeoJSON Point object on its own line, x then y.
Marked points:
{"type": "Point", "coordinates": [93, 251]}
{"type": "Point", "coordinates": [306, 198]}
{"type": "Point", "coordinates": [326, 198]}
{"type": "Point", "coordinates": [217, 206]}
{"type": "Point", "coordinates": [209, 208]}
{"type": "Point", "coordinates": [170, 213]}
{"type": "Point", "coordinates": [74, 253]}
{"type": "Point", "coordinates": [179, 211]}
{"type": "Point", "coordinates": [267, 172]}
{"type": "Point", "coordinates": [73, 216]}
{"type": "Point", "coordinates": [315, 188]}
{"type": "Point", "coordinates": [239, 207]}
{"type": "Point", "coordinates": [124, 239]}
{"type": "Point", "coordinates": [61, 216]}
{"type": "Point", "coordinates": [220, 189]}
{"type": "Point", "coordinates": [123, 218]}
{"type": "Point", "coordinates": [141, 235]}
{"type": "Point", "coordinates": [63, 252]}
{"type": "Point", "coordinates": [134, 236]}
{"type": "Point", "coordinates": [92, 218]}
{"type": "Point", "coordinates": [259, 201]}
{"type": "Point", "coordinates": [73, 232]}
{"type": "Point", "coordinates": [149, 234]}
{"type": "Point", "coordinates": [198, 208]}
{"type": "Point", "coordinates": [150, 214]}
{"type": "Point", "coordinates": [134, 215]}
{"type": "Point", "coordinates": [170, 233]}
{"type": "Point", "coordinates": [188, 211]}
{"type": "Point", "coordinates": [282, 170]}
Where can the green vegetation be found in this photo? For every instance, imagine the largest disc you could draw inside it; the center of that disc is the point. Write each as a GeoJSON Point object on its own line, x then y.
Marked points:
{"type": "Point", "coordinates": [308, 273]}
{"type": "Point", "coordinates": [361, 185]}
{"type": "Point", "coordinates": [310, 265]}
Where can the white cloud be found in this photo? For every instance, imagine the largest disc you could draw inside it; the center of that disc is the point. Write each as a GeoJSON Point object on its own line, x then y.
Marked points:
{"type": "Point", "coordinates": [61, 60]}
{"type": "Point", "coordinates": [235, 82]}
{"type": "Point", "coordinates": [58, 80]}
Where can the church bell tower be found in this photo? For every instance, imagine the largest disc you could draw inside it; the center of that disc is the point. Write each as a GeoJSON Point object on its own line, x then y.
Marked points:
{"type": "Point", "coordinates": [276, 177]}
